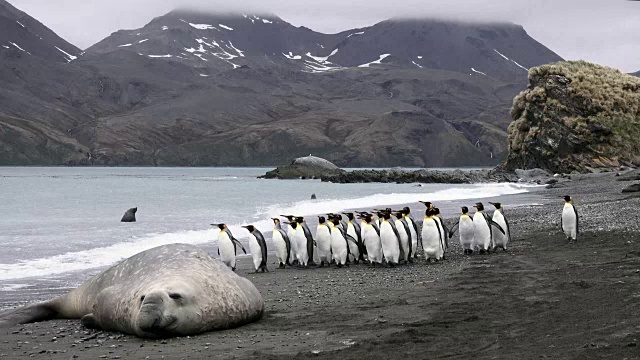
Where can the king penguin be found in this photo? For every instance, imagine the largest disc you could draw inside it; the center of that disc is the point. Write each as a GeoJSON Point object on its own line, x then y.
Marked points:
{"type": "Point", "coordinates": [405, 236]}
{"type": "Point", "coordinates": [432, 243]}
{"type": "Point", "coordinates": [499, 239]}
{"type": "Point", "coordinates": [258, 247]}
{"type": "Point", "coordinates": [323, 238]}
{"type": "Point", "coordinates": [282, 244]}
{"type": "Point", "coordinates": [227, 246]}
{"type": "Point", "coordinates": [310, 244]}
{"type": "Point", "coordinates": [415, 232]}
{"type": "Point", "coordinates": [353, 230]}
{"type": "Point", "coordinates": [482, 233]}
{"type": "Point", "coordinates": [294, 244]}
{"type": "Point", "coordinates": [390, 240]}
{"type": "Point", "coordinates": [297, 237]}
{"type": "Point", "coordinates": [569, 219]}
{"type": "Point", "coordinates": [339, 245]}
{"type": "Point", "coordinates": [465, 229]}
{"type": "Point", "coordinates": [371, 239]}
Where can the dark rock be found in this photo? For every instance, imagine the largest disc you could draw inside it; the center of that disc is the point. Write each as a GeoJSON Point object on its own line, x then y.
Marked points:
{"type": "Point", "coordinates": [310, 167]}
{"type": "Point", "coordinates": [629, 177]}
{"type": "Point", "coordinates": [130, 215]}
{"type": "Point", "coordinates": [565, 123]}
{"type": "Point", "coordinates": [420, 176]}
{"type": "Point", "coordinates": [632, 188]}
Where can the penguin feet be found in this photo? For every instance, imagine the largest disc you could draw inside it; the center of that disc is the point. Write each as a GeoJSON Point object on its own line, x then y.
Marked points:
{"type": "Point", "coordinates": [482, 251]}
{"type": "Point", "coordinates": [281, 266]}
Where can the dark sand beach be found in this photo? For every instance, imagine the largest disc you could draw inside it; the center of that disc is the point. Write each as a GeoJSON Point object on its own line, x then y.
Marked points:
{"type": "Point", "coordinates": [544, 298]}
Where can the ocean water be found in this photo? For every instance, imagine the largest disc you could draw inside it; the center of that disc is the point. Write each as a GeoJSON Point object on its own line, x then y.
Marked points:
{"type": "Point", "coordinates": [60, 221]}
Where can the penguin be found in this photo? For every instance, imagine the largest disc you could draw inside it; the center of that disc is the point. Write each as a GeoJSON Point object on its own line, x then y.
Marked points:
{"type": "Point", "coordinates": [294, 244]}
{"type": "Point", "coordinates": [310, 244]}
{"type": "Point", "coordinates": [443, 230]}
{"type": "Point", "coordinates": [282, 244]}
{"type": "Point", "coordinates": [415, 232]}
{"type": "Point", "coordinates": [323, 238]}
{"type": "Point", "coordinates": [353, 230]}
{"type": "Point", "coordinates": [297, 236]}
{"type": "Point", "coordinates": [339, 245]}
{"type": "Point", "coordinates": [227, 246]}
{"type": "Point", "coordinates": [390, 240]}
{"type": "Point", "coordinates": [483, 231]}
{"type": "Point", "coordinates": [405, 236]}
{"type": "Point", "coordinates": [569, 220]}
{"type": "Point", "coordinates": [371, 239]}
{"type": "Point", "coordinates": [500, 240]}
{"type": "Point", "coordinates": [432, 243]}
{"type": "Point", "coordinates": [258, 247]}
{"type": "Point", "coordinates": [466, 229]}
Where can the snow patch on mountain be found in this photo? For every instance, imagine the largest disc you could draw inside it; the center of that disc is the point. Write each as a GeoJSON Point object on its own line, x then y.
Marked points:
{"type": "Point", "coordinates": [160, 56]}
{"type": "Point", "coordinates": [290, 56]}
{"type": "Point", "coordinates": [141, 41]}
{"type": "Point", "coordinates": [322, 59]}
{"type": "Point", "coordinates": [125, 45]}
{"type": "Point", "coordinates": [479, 72]}
{"type": "Point", "coordinates": [19, 23]}
{"type": "Point", "coordinates": [225, 27]}
{"type": "Point", "coordinates": [416, 64]}
{"type": "Point", "coordinates": [522, 67]}
{"type": "Point", "coordinates": [379, 61]}
{"type": "Point", "coordinates": [267, 21]}
{"type": "Point", "coordinates": [499, 53]}
{"type": "Point", "coordinates": [357, 33]}
{"type": "Point", "coordinates": [202, 26]}
{"type": "Point", "coordinates": [68, 56]}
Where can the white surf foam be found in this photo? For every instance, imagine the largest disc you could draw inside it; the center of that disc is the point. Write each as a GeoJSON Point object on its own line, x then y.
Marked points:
{"type": "Point", "coordinates": [109, 255]}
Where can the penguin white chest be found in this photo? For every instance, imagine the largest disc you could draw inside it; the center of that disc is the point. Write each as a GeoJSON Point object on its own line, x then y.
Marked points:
{"type": "Point", "coordinates": [280, 245]}
{"type": "Point", "coordinates": [256, 251]}
{"type": "Point", "coordinates": [353, 248]}
{"type": "Point", "coordinates": [301, 244]}
{"type": "Point", "coordinates": [390, 245]}
{"type": "Point", "coordinates": [482, 232]}
{"type": "Point", "coordinates": [323, 239]}
{"type": "Point", "coordinates": [499, 239]}
{"type": "Point", "coordinates": [227, 250]}
{"type": "Point", "coordinates": [569, 221]}
{"type": "Point", "coordinates": [338, 246]}
{"type": "Point", "coordinates": [372, 243]}
{"type": "Point", "coordinates": [466, 230]}
{"type": "Point", "coordinates": [431, 239]}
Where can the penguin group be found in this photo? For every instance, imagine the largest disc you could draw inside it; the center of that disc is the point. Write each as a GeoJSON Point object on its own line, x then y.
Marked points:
{"type": "Point", "coordinates": [380, 237]}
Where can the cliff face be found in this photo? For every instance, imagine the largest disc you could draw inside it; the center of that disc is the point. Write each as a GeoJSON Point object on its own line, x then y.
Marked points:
{"type": "Point", "coordinates": [575, 116]}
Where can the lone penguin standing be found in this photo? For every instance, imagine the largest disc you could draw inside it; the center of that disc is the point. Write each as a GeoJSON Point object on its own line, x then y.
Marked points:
{"type": "Point", "coordinates": [569, 219]}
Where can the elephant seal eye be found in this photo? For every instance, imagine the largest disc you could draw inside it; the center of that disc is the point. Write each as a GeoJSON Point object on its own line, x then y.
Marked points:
{"type": "Point", "coordinates": [142, 298]}
{"type": "Point", "coordinates": [175, 296]}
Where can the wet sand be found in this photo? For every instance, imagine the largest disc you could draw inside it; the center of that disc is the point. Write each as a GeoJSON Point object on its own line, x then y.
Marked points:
{"type": "Point", "coordinates": [544, 298]}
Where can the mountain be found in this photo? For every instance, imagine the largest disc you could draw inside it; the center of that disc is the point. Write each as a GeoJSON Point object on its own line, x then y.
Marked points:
{"type": "Point", "coordinates": [251, 89]}
{"type": "Point", "coordinates": [636, 74]}
{"type": "Point", "coordinates": [20, 32]}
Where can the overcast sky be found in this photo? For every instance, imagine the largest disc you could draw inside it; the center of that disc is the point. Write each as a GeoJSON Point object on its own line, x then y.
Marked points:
{"type": "Point", "coordinates": [603, 31]}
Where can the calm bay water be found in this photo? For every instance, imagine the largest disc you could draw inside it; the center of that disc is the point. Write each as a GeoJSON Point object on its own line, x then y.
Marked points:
{"type": "Point", "coordinates": [59, 221]}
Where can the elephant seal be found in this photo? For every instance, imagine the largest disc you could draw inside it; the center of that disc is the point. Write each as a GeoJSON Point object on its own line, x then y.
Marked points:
{"type": "Point", "coordinates": [130, 215]}
{"type": "Point", "coordinates": [171, 290]}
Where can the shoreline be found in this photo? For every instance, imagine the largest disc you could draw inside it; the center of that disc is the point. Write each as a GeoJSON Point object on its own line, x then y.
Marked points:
{"type": "Point", "coordinates": [498, 305]}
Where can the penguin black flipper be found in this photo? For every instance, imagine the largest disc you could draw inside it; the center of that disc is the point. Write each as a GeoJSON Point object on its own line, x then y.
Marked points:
{"type": "Point", "coordinates": [415, 227]}
{"type": "Point", "coordinates": [395, 231]}
{"type": "Point", "coordinates": [345, 235]}
{"type": "Point", "coordinates": [493, 223]}
{"type": "Point", "coordinates": [310, 241]}
{"type": "Point", "coordinates": [508, 228]}
{"type": "Point", "coordinates": [440, 235]}
{"type": "Point", "coordinates": [351, 238]}
{"type": "Point", "coordinates": [408, 231]}
{"type": "Point", "coordinates": [236, 242]}
{"type": "Point", "coordinates": [218, 251]}
{"type": "Point", "coordinates": [577, 219]}
{"type": "Point", "coordinates": [287, 243]}
{"type": "Point", "coordinates": [453, 229]}
{"type": "Point", "coordinates": [445, 231]}
{"type": "Point", "coordinates": [263, 248]}
{"type": "Point", "coordinates": [376, 228]}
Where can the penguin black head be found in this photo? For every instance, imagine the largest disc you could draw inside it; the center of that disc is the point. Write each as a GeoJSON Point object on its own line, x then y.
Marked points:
{"type": "Point", "coordinates": [349, 216]}
{"type": "Point", "coordinates": [321, 220]}
{"type": "Point", "coordinates": [479, 206]}
{"type": "Point", "coordinates": [465, 209]}
{"type": "Point", "coordinates": [276, 221]}
{"type": "Point", "coordinates": [436, 211]}
{"type": "Point", "coordinates": [427, 204]}
{"type": "Point", "coordinates": [406, 210]}
{"type": "Point", "coordinates": [292, 223]}
{"type": "Point", "coordinates": [288, 217]}
{"type": "Point", "coordinates": [567, 198]}
{"type": "Point", "coordinates": [339, 217]}
{"type": "Point", "coordinates": [251, 228]}
{"type": "Point", "coordinates": [497, 205]}
{"type": "Point", "coordinates": [220, 226]}
{"type": "Point", "coordinates": [399, 214]}
{"type": "Point", "coordinates": [300, 219]}
{"type": "Point", "coordinates": [386, 215]}
{"type": "Point", "coordinates": [335, 221]}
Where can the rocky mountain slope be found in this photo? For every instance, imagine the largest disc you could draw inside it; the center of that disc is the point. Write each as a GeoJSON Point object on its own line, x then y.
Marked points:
{"type": "Point", "coordinates": [575, 116]}
{"type": "Point", "coordinates": [249, 89]}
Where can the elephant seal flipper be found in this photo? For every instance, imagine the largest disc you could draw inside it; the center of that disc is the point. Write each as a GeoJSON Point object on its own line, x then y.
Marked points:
{"type": "Point", "coordinates": [28, 314]}
{"type": "Point", "coordinates": [170, 290]}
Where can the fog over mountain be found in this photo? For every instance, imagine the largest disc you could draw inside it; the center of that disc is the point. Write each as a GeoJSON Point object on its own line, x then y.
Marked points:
{"type": "Point", "coordinates": [602, 31]}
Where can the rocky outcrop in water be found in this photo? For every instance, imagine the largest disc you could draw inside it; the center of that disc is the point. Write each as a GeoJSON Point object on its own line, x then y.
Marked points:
{"type": "Point", "coordinates": [309, 167]}
{"type": "Point", "coordinates": [575, 116]}
{"type": "Point", "coordinates": [420, 176]}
